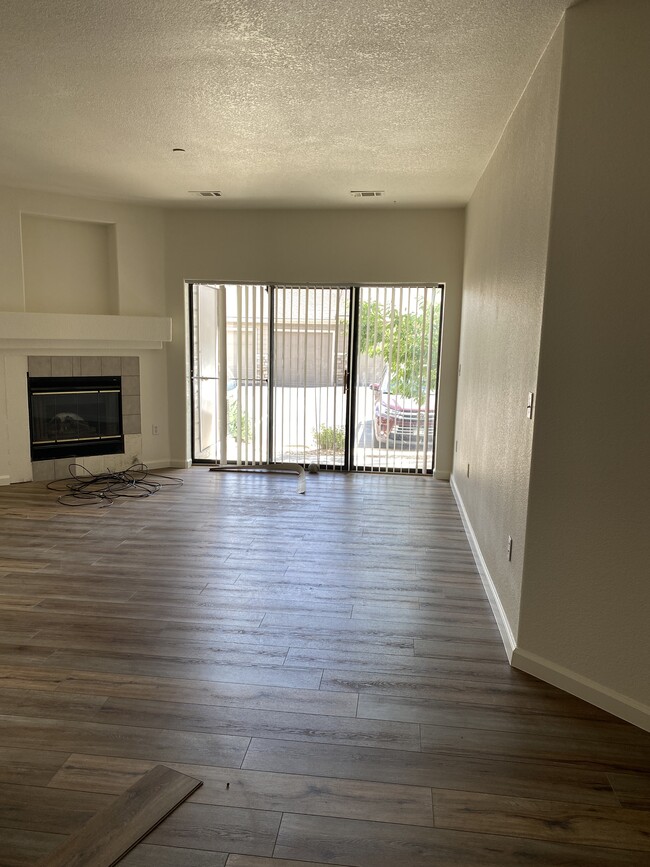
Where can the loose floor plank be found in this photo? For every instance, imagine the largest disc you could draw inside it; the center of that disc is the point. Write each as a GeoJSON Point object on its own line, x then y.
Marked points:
{"type": "Point", "coordinates": [115, 830]}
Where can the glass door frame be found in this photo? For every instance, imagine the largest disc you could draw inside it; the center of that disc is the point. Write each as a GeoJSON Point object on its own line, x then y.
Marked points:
{"type": "Point", "coordinates": [349, 374]}
{"type": "Point", "coordinates": [350, 385]}
{"type": "Point", "coordinates": [194, 373]}
{"type": "Point", "coordinates": [435, 365]}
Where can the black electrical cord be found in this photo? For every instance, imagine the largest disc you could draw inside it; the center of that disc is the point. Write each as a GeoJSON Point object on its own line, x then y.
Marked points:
{"type": "Point", "coordinates": [104, 488]}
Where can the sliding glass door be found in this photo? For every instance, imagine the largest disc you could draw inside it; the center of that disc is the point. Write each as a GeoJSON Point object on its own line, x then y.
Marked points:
{"type": "Point", "coordinates": [396, 378]}
{"type": "Point", "coordinates": [270, 374]}
{"type": "Point", "coordinates": [230, 370]}
{"type": "Point", "coordinates": [341, 377]}
{"type": "Point", "coordinates": [311, 327]}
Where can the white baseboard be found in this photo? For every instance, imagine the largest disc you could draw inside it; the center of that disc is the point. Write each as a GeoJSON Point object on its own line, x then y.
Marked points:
{"type": "Point", "coordinates": [5, 480]}
{"type": "Point", "coordinates": [179, 464]}
{"type": "Point", "coordinates": [595, 693]}
{"type": "Point", "coordinates": [582, 687]}
{"type": "Point", "coordinates": [441, 475]}
{"type": "Point", "coordinates": [500, 616]}
{"type": "Point", "coordinates": [158, 465]}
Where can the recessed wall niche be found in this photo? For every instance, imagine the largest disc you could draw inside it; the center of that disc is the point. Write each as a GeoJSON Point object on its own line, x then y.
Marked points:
{"type": "Point", "coordinates": [69, 266]}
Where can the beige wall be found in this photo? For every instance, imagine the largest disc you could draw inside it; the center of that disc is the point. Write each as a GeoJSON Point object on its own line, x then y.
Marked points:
{"type": "Point", "coordinates": [586, 599]}
{"type": "Point", "coordinates": [315, 246]}
{"type": "Point", "coordinates": [138, 242]}
{"type": "Point", "coordinates": [131, 283]}
{"type": "Point", "coordinates": [505, 266]}
{"type": "Point", "coordinates": [290, 246]}
{"type": "Point", "coordinates": [68, 266]}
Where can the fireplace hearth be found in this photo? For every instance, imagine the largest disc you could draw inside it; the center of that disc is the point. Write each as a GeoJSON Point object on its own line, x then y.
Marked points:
{"type": "Point", "coordinates": [72, 417]}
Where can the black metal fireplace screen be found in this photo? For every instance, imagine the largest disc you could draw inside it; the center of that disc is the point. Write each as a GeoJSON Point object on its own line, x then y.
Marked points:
{"type": "Point", "coordinates": [73, 417]}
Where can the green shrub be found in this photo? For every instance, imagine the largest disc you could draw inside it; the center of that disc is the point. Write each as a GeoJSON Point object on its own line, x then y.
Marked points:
{"type": "Point", "coordinates": [246, 430]}
{"type": "Point", "coordinates": [328, 438]}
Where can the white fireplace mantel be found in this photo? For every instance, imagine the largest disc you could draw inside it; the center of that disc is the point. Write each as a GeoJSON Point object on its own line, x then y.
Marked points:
{"type": "Point", "coordinates": [61, 331]}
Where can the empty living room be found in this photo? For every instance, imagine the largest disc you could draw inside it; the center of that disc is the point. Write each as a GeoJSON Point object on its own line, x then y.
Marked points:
{"type": "Point", "coordinates": [323, 433]}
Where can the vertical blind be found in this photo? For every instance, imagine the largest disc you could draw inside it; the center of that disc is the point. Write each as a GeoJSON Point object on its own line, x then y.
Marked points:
{"type": "Point", "coordinates": [252, 407]}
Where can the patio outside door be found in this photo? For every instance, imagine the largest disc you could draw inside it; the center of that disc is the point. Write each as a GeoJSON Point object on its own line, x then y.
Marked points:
{"type": "Point", "coordinates": [270, 374]}
{"type": "Point", "coordinates": [341, 377]}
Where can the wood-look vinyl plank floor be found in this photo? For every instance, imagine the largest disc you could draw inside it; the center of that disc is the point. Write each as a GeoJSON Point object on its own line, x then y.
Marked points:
{"type": "Point", "coordinates": [26, 848]}
{"type": "Point", "coordinates": [32, 808]}
{"type": "Point", "coordinates": [327, 664]}
{"type": "Point", "coordinates": [67, 736]}
{"type": "Point", "coordinates": [632, 791]}
{"type": "Point", "coordinates": [230, 787]}
{"type": "Point", "coordinates": [370, 844]}
{"type": "Point", "coordinates": [604, 753]}
{"type": "Point", "coordinates": [29, 767]}
{"type": "Point", "coordinates": [287, 699]}
{"type": "Point", "coordinates": [220, 671]}
{"type": "Point", "coordinates": [219, 829]}
{"type": "Point", "coordinates": [542, 820]}
{"type": "Point", "coordinates": [525, 693]}
{"type": "Point", "coordinates": [439, 771]}
{"type": "Point", "coordinates": [253, 861]}
{"type": "Point", "coordinates": [503, 719]}
{"type": "Point", "coordinates": [269, 645]}
{"type": "Point", "coordinates": [245, 722]}
{"type": "Point", "coordinates": [146, 855]}
{"type": "Point", "coordinates": [471, 669]}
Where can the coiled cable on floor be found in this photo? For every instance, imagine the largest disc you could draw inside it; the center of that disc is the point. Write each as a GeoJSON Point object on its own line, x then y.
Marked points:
{"type": "Point", "coordinates": [84, 488]}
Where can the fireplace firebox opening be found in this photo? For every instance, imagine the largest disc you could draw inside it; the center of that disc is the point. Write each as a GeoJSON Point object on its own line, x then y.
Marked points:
{"type": "Point", "coordinates": [72, 416]}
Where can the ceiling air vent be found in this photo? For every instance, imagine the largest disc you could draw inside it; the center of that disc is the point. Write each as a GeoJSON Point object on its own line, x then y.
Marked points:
{"type": "Point", "coordinates": [207, 194]}
{"type": "Point", "coordinates": [366, 194]}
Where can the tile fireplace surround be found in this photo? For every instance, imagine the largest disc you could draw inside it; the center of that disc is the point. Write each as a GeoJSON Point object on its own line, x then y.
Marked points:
{"type": "Point", "coordinates": [128, 367]}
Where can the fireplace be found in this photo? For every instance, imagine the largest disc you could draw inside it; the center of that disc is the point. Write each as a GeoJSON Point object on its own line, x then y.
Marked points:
{"type": "Point", "coordinates": [72, 416]}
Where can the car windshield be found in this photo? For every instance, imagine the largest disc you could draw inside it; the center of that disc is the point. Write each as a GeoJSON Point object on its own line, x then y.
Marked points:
{"type": "Point", "coordinates": [391, 385]}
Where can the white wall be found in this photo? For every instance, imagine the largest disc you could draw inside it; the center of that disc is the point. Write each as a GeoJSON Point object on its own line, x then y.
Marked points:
{"type": "Point", "coordinates": [312, 247]}
{"type": "Point", "coordinates": [131, 284]}
{"type": "Point", "coordinates": [585, 609]}
{"type": "Point", "coordinates": [505, 266]}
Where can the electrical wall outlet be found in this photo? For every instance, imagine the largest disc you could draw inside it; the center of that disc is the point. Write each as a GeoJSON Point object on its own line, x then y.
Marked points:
{"type": "Point", "coordinates": [509, 548]}
{"type": "Point", "coordinates": [154, 430]}
{"type": "Point", "coordinates": [456, 445]}
{"type": "Point", "coordinates": [468, 471]}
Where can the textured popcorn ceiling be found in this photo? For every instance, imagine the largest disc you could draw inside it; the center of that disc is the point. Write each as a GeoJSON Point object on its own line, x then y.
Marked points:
{"type": "Point", "coordinates": [277, 102]}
